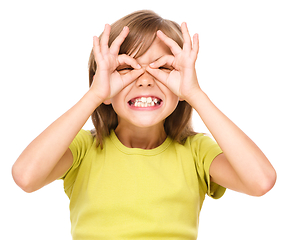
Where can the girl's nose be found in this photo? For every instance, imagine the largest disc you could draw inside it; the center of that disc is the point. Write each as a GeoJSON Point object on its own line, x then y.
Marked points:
{"type": "Point", "coordinates": [145, 80]}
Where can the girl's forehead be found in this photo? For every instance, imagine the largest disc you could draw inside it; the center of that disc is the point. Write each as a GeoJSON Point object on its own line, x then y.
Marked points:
{"type": "Point", "coordinates": [155, 51]}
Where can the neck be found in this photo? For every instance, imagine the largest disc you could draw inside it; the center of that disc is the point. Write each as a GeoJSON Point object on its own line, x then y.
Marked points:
{"type": "Point", "coordinates": [144, 138]}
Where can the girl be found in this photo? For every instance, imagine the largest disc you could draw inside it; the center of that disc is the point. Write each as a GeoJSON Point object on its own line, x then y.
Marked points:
{"type": "Point", "coordinates": [143, 172]}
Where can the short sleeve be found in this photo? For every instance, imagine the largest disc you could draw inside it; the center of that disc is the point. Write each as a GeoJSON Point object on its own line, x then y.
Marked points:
{"type": "Point", "coordinates": [206, 150]}
{"type": "Point", "coordinates": [79, 148]}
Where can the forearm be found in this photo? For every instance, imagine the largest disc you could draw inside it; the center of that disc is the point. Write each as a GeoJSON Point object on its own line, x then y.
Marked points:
{"type": "Point", "coordinates": [247, 160]}
{"type": "Point", "coordinates": [43, 153]}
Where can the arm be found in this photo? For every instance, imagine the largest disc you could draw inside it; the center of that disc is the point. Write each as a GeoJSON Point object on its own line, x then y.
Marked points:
{"type": "Point", "coordinates": [48, 157]}
{"type": "Point", "coordinates": [242, 167]}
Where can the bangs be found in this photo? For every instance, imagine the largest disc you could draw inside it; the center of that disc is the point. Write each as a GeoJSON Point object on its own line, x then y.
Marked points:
{"type": "Point", "coordinates": [138, 40]}
{"type": "Point", "coordinates": [143, 26]}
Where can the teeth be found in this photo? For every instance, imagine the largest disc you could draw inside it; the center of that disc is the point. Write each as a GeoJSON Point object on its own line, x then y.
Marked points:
{"type": "Point", "coordinates": [145, 102]}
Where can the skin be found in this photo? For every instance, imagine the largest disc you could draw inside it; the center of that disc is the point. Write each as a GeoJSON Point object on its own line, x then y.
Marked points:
{"type": "Point", "coordinates": [144, 128]}
{"type": "Point", "coordinates": [119, 78]}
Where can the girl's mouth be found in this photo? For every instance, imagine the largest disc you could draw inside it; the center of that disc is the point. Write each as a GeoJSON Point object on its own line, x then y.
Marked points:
{"type": "Point", "coordinates": [145, 102]}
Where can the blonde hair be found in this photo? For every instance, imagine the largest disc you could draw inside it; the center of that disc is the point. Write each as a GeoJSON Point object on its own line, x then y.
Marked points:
{"type": "Point", "coordinates": [143, 26]}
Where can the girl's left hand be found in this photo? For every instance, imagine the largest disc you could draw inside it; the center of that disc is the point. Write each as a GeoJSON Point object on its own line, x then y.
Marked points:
{"type": "Point", "coordinates": [182, 80]}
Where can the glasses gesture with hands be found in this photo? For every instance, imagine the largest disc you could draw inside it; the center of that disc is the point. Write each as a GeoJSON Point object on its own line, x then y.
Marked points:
{"type": "Point", "coordinates": [182, 80]}
{"type": "Point", "coordinates": [107, 81]}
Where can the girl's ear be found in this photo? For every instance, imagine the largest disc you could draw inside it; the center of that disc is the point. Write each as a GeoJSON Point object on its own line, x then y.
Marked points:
{"type": "Point", "coordinates": [107, 102]}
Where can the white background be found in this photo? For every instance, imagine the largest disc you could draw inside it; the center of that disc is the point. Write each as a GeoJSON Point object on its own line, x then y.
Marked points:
{"type": "Point", "coordinates": [242, 66]}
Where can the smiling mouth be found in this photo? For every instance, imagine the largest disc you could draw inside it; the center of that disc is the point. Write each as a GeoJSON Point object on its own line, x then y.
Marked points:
{"type": "Point", "coordinates": [143, 102]}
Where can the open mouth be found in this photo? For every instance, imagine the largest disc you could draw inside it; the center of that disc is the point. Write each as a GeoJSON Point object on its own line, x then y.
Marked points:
{"type": "Point", "coordinates": [143, 102]}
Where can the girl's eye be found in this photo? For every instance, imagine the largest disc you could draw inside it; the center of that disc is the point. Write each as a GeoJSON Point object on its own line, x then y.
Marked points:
{"type": "Point", "coordinates": [125, 69]}
{"type": "Point", "coordinates": [165, 68]}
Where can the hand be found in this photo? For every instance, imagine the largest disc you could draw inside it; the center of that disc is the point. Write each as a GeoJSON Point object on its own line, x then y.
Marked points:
{"type": "Point", "coordinates": [107, 81]}
{"type": "Point", "coordinates": [182, 80]}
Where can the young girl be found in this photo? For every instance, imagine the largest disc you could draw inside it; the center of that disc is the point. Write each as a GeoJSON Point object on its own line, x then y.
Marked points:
{"type": "Point", "coordinates": [143, 172]}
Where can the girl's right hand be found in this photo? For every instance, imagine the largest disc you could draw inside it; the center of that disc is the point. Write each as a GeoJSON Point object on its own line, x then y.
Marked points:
{"type": "Point", "coordinates": [107, 82]}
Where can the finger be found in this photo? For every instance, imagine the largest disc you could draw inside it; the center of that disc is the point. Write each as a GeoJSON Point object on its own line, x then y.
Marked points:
{"type": "Point", "coordinates": [96, 49]}
{"type": "Point", "coordinates": [125, 59]}
{"type": "Point", "coordinates": [187, 47]}
{"type": "Point", "coordinates": [166, 60]}
{"type": "Point", "coordinates": [158, 74]}
{"type": "Point", "coordinates": [195, 46]}
{"type": "Point", "coordinates": [131, 76]}
{"type": "Point", "coordinates": [174, 47]}
{"type": "Point", "coordinates": [104, 39]}
{"type": "Point", "coordinates": [115, 46]}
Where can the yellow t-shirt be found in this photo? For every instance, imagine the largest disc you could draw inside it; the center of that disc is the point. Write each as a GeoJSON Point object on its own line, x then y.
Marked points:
{"type": "Point", "coordinates": [122, 193]}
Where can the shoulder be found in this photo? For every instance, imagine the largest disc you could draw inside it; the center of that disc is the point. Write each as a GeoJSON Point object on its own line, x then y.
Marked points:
{"type": "Point", "coordinates": [203, 145]}
{"type": "Point", "coordinates": [192, 141]}
{"type": "Point", "coordinates": [84, 135]}
{"type": "Point", "coordinates": [199, 139]}
{"type": "Point", "coordinates": [82, 142]}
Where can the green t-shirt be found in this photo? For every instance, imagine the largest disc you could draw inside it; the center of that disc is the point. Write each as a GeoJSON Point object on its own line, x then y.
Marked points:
{"type": "Point", "coordinates": [130, 193]}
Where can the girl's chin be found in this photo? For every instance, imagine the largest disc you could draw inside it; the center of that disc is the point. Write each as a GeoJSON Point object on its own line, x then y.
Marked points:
{"type": "Point", "coordinates": [144, 122]}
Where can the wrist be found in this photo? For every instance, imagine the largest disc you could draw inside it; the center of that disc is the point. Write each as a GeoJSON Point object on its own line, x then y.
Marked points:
{"type": "Point", "coordinates": [196, 98]}
{"type": "Point", "coordinates": [93, 99]}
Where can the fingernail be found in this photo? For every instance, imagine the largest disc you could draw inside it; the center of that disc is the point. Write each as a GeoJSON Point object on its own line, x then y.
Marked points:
{"type": "Point", "coordinates": [138, 66]}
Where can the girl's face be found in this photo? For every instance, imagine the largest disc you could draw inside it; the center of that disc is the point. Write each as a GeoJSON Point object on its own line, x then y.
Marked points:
{"type": "Point", "coordinates": [146, 102]}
